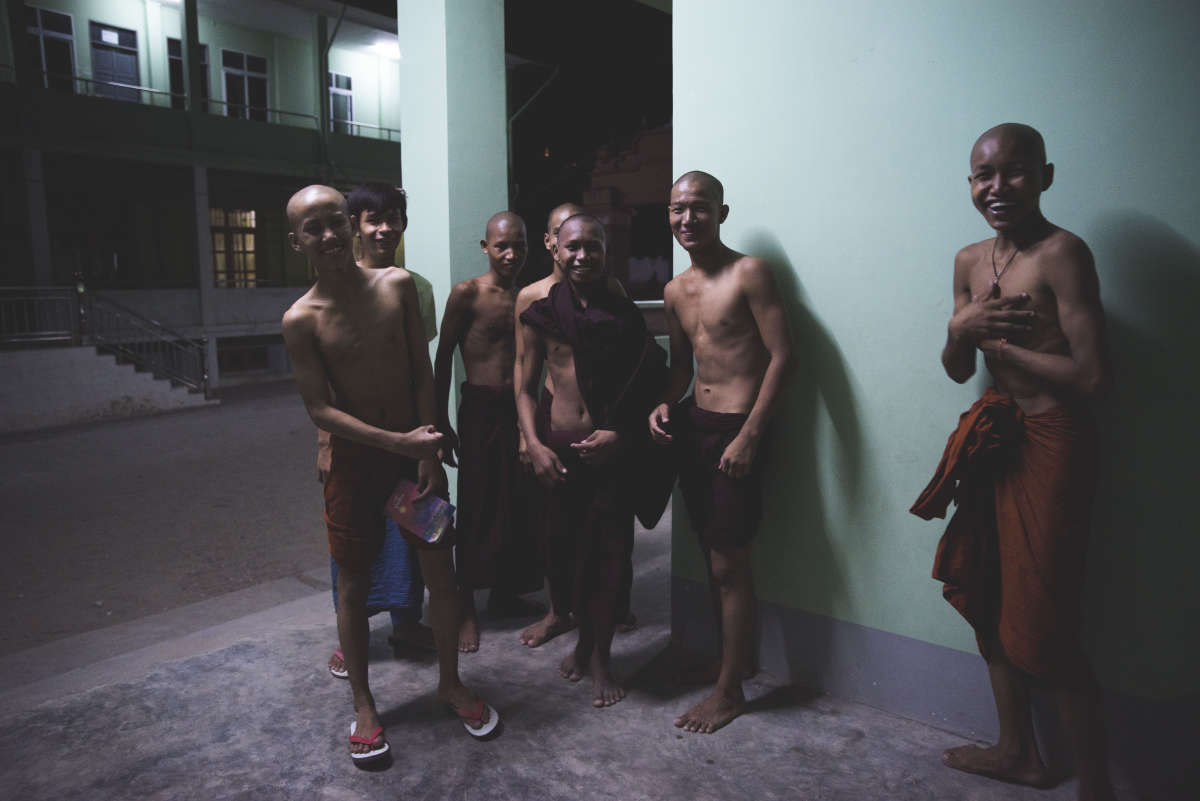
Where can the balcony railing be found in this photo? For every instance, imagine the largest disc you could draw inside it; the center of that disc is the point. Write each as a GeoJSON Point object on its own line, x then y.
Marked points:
{"type": "Point", "coordinates": [383, 133]}
{"type": "Point", "coordinates": [130, 93]}
{"type": "Point", "coordinates": [145, 95]}
{"type": "Point", "coordinates": [274, 115]}
{"type": "Point", "coordinates": [38, 315]}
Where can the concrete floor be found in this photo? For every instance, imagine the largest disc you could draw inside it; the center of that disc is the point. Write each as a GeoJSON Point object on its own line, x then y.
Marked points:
{"type": "Point", "coordinates": [228, 698]}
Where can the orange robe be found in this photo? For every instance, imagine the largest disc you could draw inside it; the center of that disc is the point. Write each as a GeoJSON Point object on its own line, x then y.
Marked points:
{"type": "Point", "coordinates": [1012, 557]}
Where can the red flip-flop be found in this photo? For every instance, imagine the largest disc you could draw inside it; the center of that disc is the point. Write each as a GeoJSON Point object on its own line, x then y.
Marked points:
{"type": "Point", "coordinates": [476, 716]}
{"type": "Point", "coordinates": [368, 756]}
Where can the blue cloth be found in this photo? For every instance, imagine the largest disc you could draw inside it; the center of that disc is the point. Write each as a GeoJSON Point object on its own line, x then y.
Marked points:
{"type": "Point", "coordinates": [396, 584]}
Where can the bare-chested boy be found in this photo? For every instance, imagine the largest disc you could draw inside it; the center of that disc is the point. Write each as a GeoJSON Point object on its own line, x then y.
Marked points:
{"type": "Point", "coordinates": [600, 358]}
{"type": "Point", "coordinates": [558, 617]}
{"type": "Point", "coordinates": [356, 337]}
{"type": "Point", "coordinates": [725, 311]}
{"type": "Point", "coordinates": [495, 547]}
{"type": "Point", "coordinates": [1024, 461]}
{"type": "Point", "coordinates": [378, 217]}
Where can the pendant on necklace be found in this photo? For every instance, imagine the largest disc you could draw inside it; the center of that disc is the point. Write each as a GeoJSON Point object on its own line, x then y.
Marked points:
{"type": "Point", "coordinates": [995, 288]}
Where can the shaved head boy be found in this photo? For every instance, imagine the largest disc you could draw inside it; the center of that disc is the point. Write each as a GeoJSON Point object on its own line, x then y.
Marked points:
{"type": "Point", "coordinates": [495, 543]}
{"type": "Point", "coordinates": [555, 622]}
{"type": "Point", "coordinates": [1028, 299]}
{"type": "Point", "coordinates": [362, 366]}
{"type": "Point", "coordinates": [725, 312]}
{"type": "Point", "coordinates": [593, 343]}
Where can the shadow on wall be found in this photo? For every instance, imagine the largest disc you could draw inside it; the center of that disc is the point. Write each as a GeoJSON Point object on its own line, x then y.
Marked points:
{"type": "Point", "coordinates": [1142, 598]}
{"type": "Point", "coordinates": [794, 553]}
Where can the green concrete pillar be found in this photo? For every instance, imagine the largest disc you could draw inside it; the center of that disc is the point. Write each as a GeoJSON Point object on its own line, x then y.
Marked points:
{"type": "Point", "coordinates": [452, 127]}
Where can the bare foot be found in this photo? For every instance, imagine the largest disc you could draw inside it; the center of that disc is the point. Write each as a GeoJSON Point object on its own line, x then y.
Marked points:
{"type": "Point", "coordinates": [712, 713]}
{"type": "Point", "coordinates": [570, 669]}
{"type": "Point", "coordinates": [508, 605]}
{"type": "Point", "coordinates": [464, 703]}
{"type": "Point", "coordinates": [412, 635]}
{"type": "Point", "coordinates": [365, 722]}
{"type": "Point", "coordinates": [605, 690]}
{"type": "Point", "coordinates": [546, 629]}
{"type": "Point", "coordinates": [468, 634]}
{"type": "Point", "coordinates": [997, 764]}
{"type": "Point", "coordinates": [627, 623]}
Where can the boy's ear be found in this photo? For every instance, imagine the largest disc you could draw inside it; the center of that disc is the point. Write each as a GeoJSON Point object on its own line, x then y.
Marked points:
{"type": "Point", "coordinates": [354, 223]}
{"type": "Point", "coordinates": [724, 211]}
{"type": "Point", "coordinates": [1047, 176]}
{"type": "Point", "coordinates": [292, 241]}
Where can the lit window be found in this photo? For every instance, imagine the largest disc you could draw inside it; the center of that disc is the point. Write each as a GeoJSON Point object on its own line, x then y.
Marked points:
{"type": "Point", "coordinates": [234, 244]}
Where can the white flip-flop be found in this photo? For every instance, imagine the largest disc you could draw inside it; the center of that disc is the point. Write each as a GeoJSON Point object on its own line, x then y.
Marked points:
{"type": "Point", "coordinates": [367, 756]}
{"type": "Point", "coordinates": [485, 729]}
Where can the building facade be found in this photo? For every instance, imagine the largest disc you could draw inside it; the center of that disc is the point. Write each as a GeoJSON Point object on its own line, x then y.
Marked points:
{"type": "Point", "coordinates": [149, 148]}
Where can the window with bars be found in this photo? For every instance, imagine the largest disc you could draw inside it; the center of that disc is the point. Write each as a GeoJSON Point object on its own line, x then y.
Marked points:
{"type": "Point", "coordinates": [178, 84]}
{"type": "Point", "coordinates": [341, 103]}
{"type": "Point", "coordinates": [245, 78]}
{"type": "Point", "coordinates": [234, 244]}
{"type": "Point", "coordinates": [51, 48]}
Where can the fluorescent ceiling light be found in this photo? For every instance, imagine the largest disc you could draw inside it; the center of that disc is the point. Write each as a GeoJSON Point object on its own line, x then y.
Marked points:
{"type": "Point", "coordinates": [387, 48]}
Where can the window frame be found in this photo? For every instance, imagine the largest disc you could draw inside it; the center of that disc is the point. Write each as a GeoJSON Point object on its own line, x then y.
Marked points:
{"type": "Point", "coordinates": [245, 74]}
{"type": "Point", "coordinates": [203, 103]}
{"type": "Point", "coordinates": [228, 276]}
{"type": "Point", "coordinates": [42, 33]}
{"type": "Point", "coordinates": [346, 93]}
{"type": "Point", "coordinates": [97, 87]}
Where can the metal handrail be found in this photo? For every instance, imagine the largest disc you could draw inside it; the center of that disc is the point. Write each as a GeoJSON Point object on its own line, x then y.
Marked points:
{"type": "Point", "coordinates": [357, 124]}
{"type": "Point", "coordinates": [91, 83]}
{"type": "Point", "coordinates": [38, 315]}
{"type": "Point", "coordinates": [276, 111]}
{"type": "Point", "coordinates": [650, 304]}
{"type": "Point", "coordinates": [117, 329]}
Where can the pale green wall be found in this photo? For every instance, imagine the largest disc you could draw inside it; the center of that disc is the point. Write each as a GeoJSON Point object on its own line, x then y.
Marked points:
{"type": "Point", "coordinates": [451, 95]}
{"type": "Point", "coordinates": [842, 131]}
{"type": "Point", "coordinates": [375, 85]}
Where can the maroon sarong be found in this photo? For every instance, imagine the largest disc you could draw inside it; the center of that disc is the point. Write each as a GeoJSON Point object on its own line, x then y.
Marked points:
{"type": "Point", "coordinates": [1012, 557]}
{"type": "Point", "coordinates": [724, 511]}
{"type": "Point", "coordinates": [557, 553]}
{"type": "Point", "coordinates": [590, 520]}
{"type": "Point", "coordinates": [359, 483]}
{"type": "Point", "coordinates": [496, 546]}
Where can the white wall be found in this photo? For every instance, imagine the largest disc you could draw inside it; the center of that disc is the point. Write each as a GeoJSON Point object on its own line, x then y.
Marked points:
{"type": "Point", "coordinates": [63, 386]}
